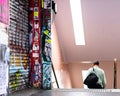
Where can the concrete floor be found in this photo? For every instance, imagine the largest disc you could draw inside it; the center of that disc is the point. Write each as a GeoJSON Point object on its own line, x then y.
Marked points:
{"type": "Point", "coordinates": [67, 92]}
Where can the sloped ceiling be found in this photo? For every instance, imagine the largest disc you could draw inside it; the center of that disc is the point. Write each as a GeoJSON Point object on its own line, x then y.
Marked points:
{"type": "Point", "coordinates": [101, 20]}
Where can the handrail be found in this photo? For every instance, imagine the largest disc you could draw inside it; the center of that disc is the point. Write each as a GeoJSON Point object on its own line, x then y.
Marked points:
{"type": "Point", "coordinates": [115, 73]}
{"type": "Point", "coordinates": [55, 76]}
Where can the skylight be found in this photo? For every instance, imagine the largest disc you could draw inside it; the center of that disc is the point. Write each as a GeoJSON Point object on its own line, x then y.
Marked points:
{"type": "Point", "coordinates": [77, 22]}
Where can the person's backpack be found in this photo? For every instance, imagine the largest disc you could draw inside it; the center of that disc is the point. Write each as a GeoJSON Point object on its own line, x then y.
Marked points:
{"type": "Point", "coordinates": [91, 80]}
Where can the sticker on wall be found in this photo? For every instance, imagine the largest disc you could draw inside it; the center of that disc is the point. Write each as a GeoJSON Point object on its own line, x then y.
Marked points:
{"type": "Point", "coordinates": [36, 25]}
{"type": "Point", "coordinates": [36, 36]}
{"type": "Point", "coordinates": [36, 13]}
{"type": "Point", "coordinates": [35, 46]}
{"type": "Point", "coordinates": [35, 54]}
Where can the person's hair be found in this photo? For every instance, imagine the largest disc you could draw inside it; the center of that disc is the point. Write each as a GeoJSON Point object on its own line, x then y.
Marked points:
{"type": "Point", "coordinates": [96, 63]}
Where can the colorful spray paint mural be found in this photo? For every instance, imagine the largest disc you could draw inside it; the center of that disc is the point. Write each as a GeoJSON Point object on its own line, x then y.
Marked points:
{"type": "Point", "coordinates": [19, 45]}
{"type": "Point", "coordinates": [46, 75]}
{"type": "Point", "coordinates": [4, 59]}
{"type": "Point", "coordinates": [4, 49]}
{"type": "Point", "coordinates": [19, 72]}
{"type": "Point", "coordinates": [46, 48]}
{"type": "Point", "coordinates": [35, 50]}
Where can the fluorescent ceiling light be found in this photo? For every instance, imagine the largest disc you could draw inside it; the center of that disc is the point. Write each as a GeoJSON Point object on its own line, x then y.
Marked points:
{"type": "Point", "coordinates": [77, 21]}
{"type": "Point", "coordinates": [86, 62]}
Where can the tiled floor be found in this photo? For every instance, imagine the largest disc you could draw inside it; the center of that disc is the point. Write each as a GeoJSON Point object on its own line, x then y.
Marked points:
{"type": "Point", "coordinates": [68, 92]}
